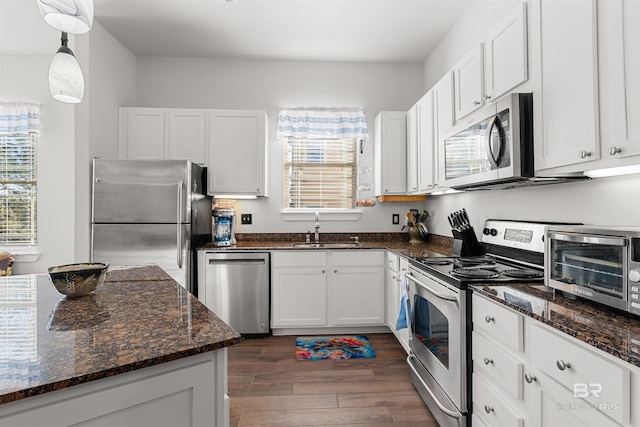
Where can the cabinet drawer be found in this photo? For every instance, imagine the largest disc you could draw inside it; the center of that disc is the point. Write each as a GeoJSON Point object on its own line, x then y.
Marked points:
{"type": "Point", "coordinates": [358, 258]}
{"type": "Point", "coordinates": [393, 261]}
{"type": "Point", "coordinates": [494, 410]}
{"type": "Point", "coordinates": [498, 322]}
{"type": "Point", "coordinates": [585, 374]}
{"type": "Point", "coordinates": [492, 361]}
{"type": "Point", "coordinates": [298, 258]}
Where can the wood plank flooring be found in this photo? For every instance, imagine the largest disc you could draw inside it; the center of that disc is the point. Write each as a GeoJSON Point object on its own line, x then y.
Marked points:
{"type": "Point", "coordinates": [269, 387]}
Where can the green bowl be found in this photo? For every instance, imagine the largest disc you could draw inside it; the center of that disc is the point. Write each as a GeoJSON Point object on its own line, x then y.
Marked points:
{"type": "Point", "coordinates": [76, 280]}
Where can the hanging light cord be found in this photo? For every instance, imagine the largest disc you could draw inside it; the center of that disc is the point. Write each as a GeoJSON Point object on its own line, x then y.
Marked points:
{"type": "Point", "coordinates": [64, 48]}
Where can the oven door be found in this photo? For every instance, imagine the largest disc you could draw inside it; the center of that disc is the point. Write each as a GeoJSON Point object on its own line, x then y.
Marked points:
{"type": "Point", "coordinates": [590, 266]}
{"type": "Point", "coordinates": [438, 346]}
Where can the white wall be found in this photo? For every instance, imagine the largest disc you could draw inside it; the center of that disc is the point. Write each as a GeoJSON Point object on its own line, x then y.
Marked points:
{"type": "Point", "coordinates": [25, 77]}
{"type": "Point", "coordinates": [270, 85]}
{"type": "Point", "coordinates": [110, 77]}
{"type": "Point", "coordinates": [607, 201]}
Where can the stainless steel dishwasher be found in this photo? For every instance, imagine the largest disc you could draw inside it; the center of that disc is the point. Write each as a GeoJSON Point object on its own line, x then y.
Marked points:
{"type": "Point", "coordinates": [236, 289]}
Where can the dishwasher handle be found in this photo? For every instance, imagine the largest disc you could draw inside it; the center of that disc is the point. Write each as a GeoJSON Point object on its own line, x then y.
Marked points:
{"type": "Point", "coordinates": [223, 261]}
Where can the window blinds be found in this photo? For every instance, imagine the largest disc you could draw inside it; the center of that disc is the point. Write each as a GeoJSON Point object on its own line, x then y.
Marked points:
{"type": "Point", "coordinates": [320, 173]}
{"type": "Point", "coordinates": [18, 190]}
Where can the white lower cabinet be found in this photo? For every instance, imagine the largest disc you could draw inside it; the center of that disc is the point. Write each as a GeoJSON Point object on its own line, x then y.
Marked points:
{"type": "Point", "coordinates": [188, 392]}
{"type": "Point", "coordinates": [396, 267]}
{"type": "Point", "coordinates": [551, 380]}
{"type": "Point", "coordinates": [327, 289]}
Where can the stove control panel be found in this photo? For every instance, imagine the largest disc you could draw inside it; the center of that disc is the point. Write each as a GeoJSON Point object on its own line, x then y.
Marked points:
{"type": "Point", "coordinates": [513, 234]}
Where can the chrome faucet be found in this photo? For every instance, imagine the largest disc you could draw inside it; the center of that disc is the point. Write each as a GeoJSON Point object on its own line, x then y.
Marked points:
{"type": "Point", "coordinates": [316, 235]}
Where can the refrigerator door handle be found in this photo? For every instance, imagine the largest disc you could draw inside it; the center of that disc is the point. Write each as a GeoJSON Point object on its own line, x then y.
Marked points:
{"type": "Point", "coordinates": [179, 224]}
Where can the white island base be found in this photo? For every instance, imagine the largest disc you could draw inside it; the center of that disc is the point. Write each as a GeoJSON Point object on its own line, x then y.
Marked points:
{"type": "Point", "coordinates": [188, 392]}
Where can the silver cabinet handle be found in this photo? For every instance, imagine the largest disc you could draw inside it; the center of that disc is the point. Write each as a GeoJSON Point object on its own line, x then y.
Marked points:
{"type": "Point", "coordinates": [530, 378]}
{"type": "Point", "coordinates": [452, 414]}
{"type": "Point", "coordinates": [179, 224]}
{"type": "Point", "coordinates": [488, 409]}
{"type": "Point", "coordinates": [487, 361]}
{"type": "Point", "coordinates": [489, 319]}
{"type": "Point", "coordinates": [614, 150]}
{"type": "Point", "coordinates": [562, 365]}
{"type": "Point", "coordinates": [487, 97]}
{"type": "Point", "coordinates": [584, 154]}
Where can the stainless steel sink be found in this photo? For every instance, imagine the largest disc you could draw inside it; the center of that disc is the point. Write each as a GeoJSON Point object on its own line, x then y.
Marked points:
{"type": "Point", "coordinates": [328, 245]}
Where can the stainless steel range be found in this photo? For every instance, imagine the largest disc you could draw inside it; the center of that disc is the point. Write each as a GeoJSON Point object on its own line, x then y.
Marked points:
{"type": "Point", "coordinates": [440, 331]}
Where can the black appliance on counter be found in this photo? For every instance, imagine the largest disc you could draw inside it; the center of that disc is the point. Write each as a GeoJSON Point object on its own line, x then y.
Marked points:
{"type": "Point", "coordinates": [440, 318]}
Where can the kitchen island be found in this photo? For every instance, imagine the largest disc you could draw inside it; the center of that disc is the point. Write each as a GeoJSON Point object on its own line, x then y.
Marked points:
{"type": "Point", "coordinates": [139, 351]}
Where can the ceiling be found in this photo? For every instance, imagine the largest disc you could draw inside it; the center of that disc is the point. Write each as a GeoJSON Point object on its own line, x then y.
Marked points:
{"type": "Point", "coordinates": [396, 31]}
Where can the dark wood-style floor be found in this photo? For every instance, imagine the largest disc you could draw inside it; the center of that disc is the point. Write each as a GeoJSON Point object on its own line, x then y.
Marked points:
{"type": "Point", "coordinates": [268, 387]}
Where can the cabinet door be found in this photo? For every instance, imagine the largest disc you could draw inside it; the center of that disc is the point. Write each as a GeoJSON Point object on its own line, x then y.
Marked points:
{"type": "Point", "coordinates": [468, 83]}
{"type": "Point", "coordinates": [567, 105]}
{"type": "Point", "coordinates": [145, 133]}
{"type": "Point", "coordinates": [505, 54]}
{"type": "Point", "coordinates": [185, 140]}
{"type": "Point", "coordinates": [552, 405]}
{"type": "Point", "coordinates": [619, 67]}
{"type": "Point", "coordinates": [426, 158]}
{"type": "Point", "coordinates": [357, 296]}
{"type": "Point", "coordinates": [412, 150]}
{"type": "Point", "coordinates": [299, 297]}
{"type": "Point", "coordinates": [237, 153]}
{"type": "Point", "coordinates": [393, 302]}
{"type": "Point", "coordinates": [390, 153]}
{"type": "Point", "coordinates": [443, 120]}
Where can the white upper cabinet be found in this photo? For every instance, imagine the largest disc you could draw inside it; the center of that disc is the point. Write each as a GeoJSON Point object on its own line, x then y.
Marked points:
{"type": "Point", "coordinates": [468, 76]}
{"type": "Point", "coordinates": [425, 131]}
{"type": "Point", "coordinates": [162, 134]}
{"type": "Point", "coordinates": [185, 135]}
{"type": "Point", "coordinates": [505, 54]}
{"type": "Point", "coordinates": [566, 107]}
{"type": "Point", "coordinates": [142, 133]}
{"type": "Point", "coordinates": [443, 119]}
{"type": "Point", "coordinates": [238, 153]}
{"type": "Point", "coordinates": [619, 67]}
{"type": "Point", "coordinates": [495, 66]}
{"type": "Point", "coordinates": [412, 150]}
{"type": "Point", "coordinates": [390, 153]}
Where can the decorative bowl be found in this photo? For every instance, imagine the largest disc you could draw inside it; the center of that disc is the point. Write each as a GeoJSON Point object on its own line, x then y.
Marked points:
{"type": "Point", "coordinates": [76, 280]}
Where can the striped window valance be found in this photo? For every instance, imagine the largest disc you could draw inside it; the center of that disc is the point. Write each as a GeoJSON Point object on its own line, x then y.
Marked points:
{"type": "Point", "coordinates": [321, 123]}
{"type": "Point", "coordinates": [19, 118]}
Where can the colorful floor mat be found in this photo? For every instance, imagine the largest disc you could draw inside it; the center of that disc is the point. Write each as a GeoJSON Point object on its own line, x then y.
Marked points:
{"type": "Point", "coordinates": [342, 347]}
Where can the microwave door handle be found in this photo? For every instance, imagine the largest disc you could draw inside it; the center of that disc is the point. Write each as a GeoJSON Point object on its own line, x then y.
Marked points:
{"type": "Point", "coordinates": [494, 160]}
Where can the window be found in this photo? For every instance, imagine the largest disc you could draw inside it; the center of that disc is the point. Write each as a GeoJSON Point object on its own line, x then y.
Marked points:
{"type": "Point", "coordinates": [18, 190]}
{"type": "Point", "coordinates": [320, 173]}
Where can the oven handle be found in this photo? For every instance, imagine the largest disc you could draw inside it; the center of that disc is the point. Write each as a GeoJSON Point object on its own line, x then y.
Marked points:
{"type": "Point", "coordinates": [431, 291]}
{"type": "Point", "coordinates": [449, 412]}
{"type": "Point", "coordinates": [583, 238]}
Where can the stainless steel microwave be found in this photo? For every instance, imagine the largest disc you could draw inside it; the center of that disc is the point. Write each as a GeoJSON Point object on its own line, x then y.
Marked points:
{"type": "Point", "coordinates": [600, 264]}
{"type": "Point", "coordinates": [493, 147]}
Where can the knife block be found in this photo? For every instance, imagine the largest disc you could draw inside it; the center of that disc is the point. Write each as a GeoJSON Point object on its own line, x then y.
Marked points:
{"type": "Point", "coordinates": [465, 243]}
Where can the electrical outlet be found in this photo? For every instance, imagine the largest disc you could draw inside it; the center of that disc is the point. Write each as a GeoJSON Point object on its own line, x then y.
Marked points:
{"type": "Point", "coordinates": [395, 218]}
{"type": "Point", "coordinates": [245, 218]}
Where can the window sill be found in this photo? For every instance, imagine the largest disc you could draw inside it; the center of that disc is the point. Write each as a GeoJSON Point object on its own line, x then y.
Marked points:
{"type": "Point", "coordinates": [22, 254]}
{"type": "Point", "coordinates": [325, 214]}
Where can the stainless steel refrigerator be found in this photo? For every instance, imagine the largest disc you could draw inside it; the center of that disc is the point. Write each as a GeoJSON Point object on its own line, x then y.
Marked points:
{"type": "Point", "coordinates": [150, 212]}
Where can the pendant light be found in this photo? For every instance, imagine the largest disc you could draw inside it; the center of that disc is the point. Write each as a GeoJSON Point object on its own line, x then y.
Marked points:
{"type": "Point", "coordinates": [68, 16]}
{"type": "Point", "coordinates": [66, 82]}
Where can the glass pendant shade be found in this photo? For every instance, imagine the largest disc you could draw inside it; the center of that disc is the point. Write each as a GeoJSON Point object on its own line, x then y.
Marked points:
{"type": "Point", "coordinates": [65, 78]}
{"type": "Point", "coordinates": [69, 16]}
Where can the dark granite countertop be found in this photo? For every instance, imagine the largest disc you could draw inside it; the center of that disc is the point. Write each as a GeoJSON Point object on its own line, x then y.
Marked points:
{"type": "Point", "coordinates": [137, 318]}
{"type": "Point", "coordinates": [397, 242]}
{"type": "Point", "coordinates": [610, 330]}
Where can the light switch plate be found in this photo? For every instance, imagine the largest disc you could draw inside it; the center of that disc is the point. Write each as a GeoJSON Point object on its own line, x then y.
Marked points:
{"type": "Point", "coordinates": [395, 218]}
{"type": "Point", "coordinates": [246, 219]}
